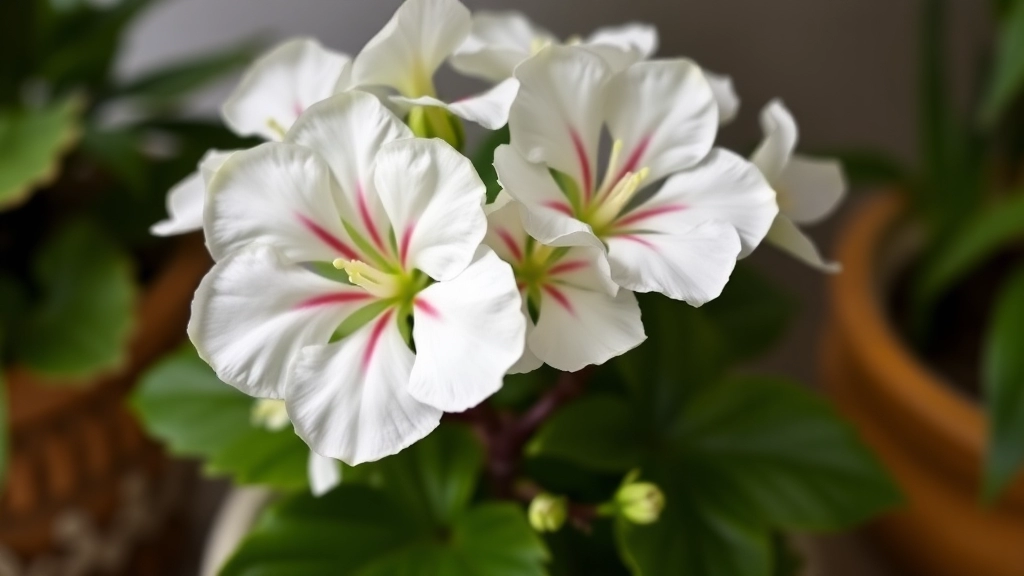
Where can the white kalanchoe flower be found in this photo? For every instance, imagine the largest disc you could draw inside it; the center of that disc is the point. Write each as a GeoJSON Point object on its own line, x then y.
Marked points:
{"type": "Point", "coordinates": [500, 41]}
{"type": "Point", "coordinates": [407, 52]}
{"type": "Point", "coordinates": [681, 240]}
{"type": "Point", "coordinates": [403, 219]}
{"type": "Point", "coordinates": [583, 317]}
{"type": "Point", "coordinates": [275, 90]}
{"type": "Point", "coordinates": [809, 189]}
{"type": "Point", "coordinates": [323, 473]}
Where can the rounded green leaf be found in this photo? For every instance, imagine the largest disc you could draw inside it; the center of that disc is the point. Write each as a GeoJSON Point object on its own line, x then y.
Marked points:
{"type": "Point", "coordinates": [32, 142]}
{"type": "Point", "coordinates": [82, 323]}
{"type": "Point", "coordinates": [182, 403]}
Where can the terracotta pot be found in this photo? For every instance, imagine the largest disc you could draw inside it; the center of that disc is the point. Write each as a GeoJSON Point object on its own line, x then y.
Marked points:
{"type": "Point", "coordinates": [86, 488]}
{"type": "Point", "coordinates": [930, 436]}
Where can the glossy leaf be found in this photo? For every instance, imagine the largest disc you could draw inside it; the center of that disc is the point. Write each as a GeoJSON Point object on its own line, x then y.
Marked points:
{"type": "Point", "coordinates": [182, 403]}
{"type": "Point", "coordinates": [1008, 75]}
{"type": "Point", "coordinates": [32, 143]}
{"type": "Point", "coordinates": [377, 527]}
{"type": "Point", "coordinates": [82, 324]}
{"type": "Point", "coordinates": [598, 432]}
{"type": "Point", "coordinates": [1003, 378]}
{"type": "Point", "coordinates": [978, 240]}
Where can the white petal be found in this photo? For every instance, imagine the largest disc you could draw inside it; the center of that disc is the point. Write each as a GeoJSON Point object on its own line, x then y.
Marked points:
{"type": "Point", "coordinates": [785, 234]}
{"type": "Point", "coordinates": [780, 136]}
{"type": "Point", "coordinates": [412, 45]}
{"type": "Point", "coordinates": [324, 474]}
{"type": "Point", "coordinates": [665, 114]}
{"type": "Point", "coordinates": [556, 119]}
{"type": "Point", "coordinates": [810, 188]}
{"type": "Point", "coordinates": [434, 199]}
{"type": "Point", "coordinates": [585, 327]}
{"type": "Point", "coordinates": [186, 199]}
{"type": "Point", "coordinates": [280, 85]}
{"type": "Point", "coordinates": [489, 109]}
{"type": "Point", "coordinates": [349, 400]}
{"type": "Point", "coordinates": [723, 187]}
{"type": "Point", "coordinates": [280, 194]}
{"type": "Point", "coordinates": [497, 43]}
{"type": "Point", "coordinates": [618, 59]}
{"type": "Point", "coordinates": [468, 331]}
{"type": "Point", "coordinates": [689, 263]}
{"type": "Point", "coordinates": [725, 96]}
{"type": "Point", "coordinates": [632, 36]}
{"type": "Point", "coordinates": [505, 232]}
{"type": "Point", "coordinates": [545, 210]}
{"type": "Point", "coordinates": [347, 130]}
{"type": "Point", "coordinates": [253, 311]}
{"type": "Point", "coordinates": [528, 362]}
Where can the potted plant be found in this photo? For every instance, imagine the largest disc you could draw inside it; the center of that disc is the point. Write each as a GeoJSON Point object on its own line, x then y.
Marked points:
{"type": "Point", "coordinates": [439, 366]}
{"type": "Point", "coordinates": [88, 298]}
{"type": "Point", "coordinates": [925, 330]}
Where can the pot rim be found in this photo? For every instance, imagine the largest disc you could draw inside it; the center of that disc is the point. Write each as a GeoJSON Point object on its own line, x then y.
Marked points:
{"type": "Point", "coordinates": [894, 372]}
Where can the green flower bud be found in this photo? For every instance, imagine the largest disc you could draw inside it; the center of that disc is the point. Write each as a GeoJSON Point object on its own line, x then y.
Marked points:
{"type": "Point", "coordinates": [639, 502]}
{"type": "Point", "coordinates": [436, 122]}
{"type": "Point", "coordinates": [547, 512]}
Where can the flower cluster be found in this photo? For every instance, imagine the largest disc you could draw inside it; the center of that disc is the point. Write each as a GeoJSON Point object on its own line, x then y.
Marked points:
{"type": "Point", "coordinates": [360, 276]}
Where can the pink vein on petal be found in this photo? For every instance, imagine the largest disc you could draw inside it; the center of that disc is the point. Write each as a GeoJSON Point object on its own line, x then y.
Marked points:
{"type": "Point", "coordinates": [560, 207]}
{"type": "Point", "coordinates": [634, 158]}
{"type": "Point", "coordinates": [581, 154]}
{"type": "Point", "coordinates": [328, 238]}
{"type": "Point", "coordinates": [375, 334]}
{"type": "Point", "coordinates": [298, 108]}
{"type": "Point", "coordinates": [569, 266]}
{"type": "Point", "coordinates": [638, 240]}
{"type": "Point", "coordinates": [560, 297]}
{"type": "Point", "coordinates": [510, 243]}
{"type": "Point", "coordinates": [403, 247]}
{"type": "Point", "coordinates": [426, 307]}
{"type": "Point", "coordinates": [335, 298]}
{"type": "Point", "coordinates": [643, 214]}
{"type": "Point", "coordinates": [364, 213]}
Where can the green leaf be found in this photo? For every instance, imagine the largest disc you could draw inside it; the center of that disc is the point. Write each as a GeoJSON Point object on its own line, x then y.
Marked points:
{"type": "Point", "coordinates": [1003, 378]}
{"type": "Point", "coordinates": [784, 454]}
{"type": "Point", "coordinates": [163, 86]}
{"type": "Point", "coordinates": [978, 240]}
{"type": "Point", "coordinates": [745, 458]}
{"type": "Point", "coordinates": [1008, 75]}
{"type": "Point", "coordinates": [483, 161]}
{"type": "Point", "coordinates": [32, 143]}
{"type": "Point", "coordinates": [81, 326]}
{"type": "Point", "coordinates": [692, 347]}
{"type": "Point", "coordinates": [379, 529]}
{"type": "Point", "coordinates": [598, 432]}
{"type": "Point", "coordinates": [182, 403]}
{"type": "Point", "coordinates": [120, 152]}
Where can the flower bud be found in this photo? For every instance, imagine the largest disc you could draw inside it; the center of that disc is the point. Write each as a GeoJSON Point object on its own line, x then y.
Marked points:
{"type": "Point", "coordinates": [640, 502]}
{"type": "Point", "coordinates": [547, 512]}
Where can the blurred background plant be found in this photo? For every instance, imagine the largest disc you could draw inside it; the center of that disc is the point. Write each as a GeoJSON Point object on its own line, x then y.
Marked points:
{"type": "Point", "coordinates": [961, 301]}
{"type": "Point", "coordinates": [85, 162]}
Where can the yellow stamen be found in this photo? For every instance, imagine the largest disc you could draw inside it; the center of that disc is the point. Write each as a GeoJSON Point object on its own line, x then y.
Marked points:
{"type": "Point", "coordinates": [276, 127]}
{"type": "Point", "coordinates": [618, 197]}
{"type": "Point", "coordinates": [574, 40]}
{"type": "Point", "coordinates": [380, 284]}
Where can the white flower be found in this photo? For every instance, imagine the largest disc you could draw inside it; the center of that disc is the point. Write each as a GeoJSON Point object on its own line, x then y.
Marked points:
{"type": "Point", "coordinates": [323, 473]}
{"type": "Point", "coordinates": [500, 41]}
{"type": "Point", "coordinates": [404, 219]}
{"type": "Point", "coordinates": [407, 52]}
{"type": "Point", "coordinates": [583, 317]}
{"type": "Point", "coordinates": [272, 94]}
{"type": "Point", "coordinates": [682, 240]}
{"type": "Point", "coordinates": [809, 189]}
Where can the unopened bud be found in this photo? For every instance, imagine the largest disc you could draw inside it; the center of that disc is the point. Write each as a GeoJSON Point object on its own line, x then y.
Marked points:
{"type": "Point", "coordinates": [547, 512]}
{"type": "Point", "coordinates": [639, 502]}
